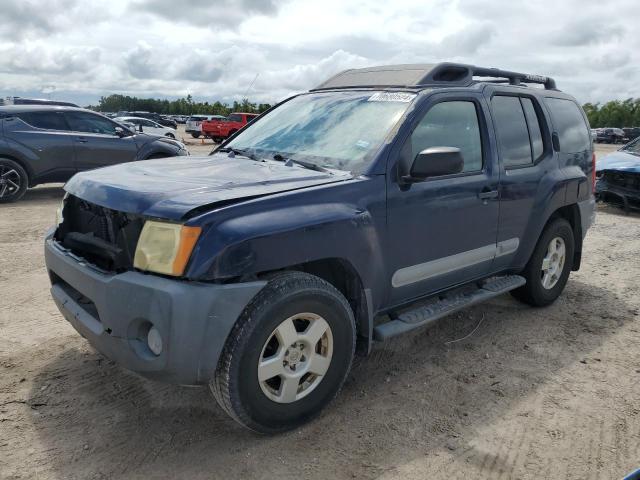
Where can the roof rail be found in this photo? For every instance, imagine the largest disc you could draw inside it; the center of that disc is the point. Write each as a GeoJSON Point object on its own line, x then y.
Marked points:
{"type": "Point", "coordinates": [422, 75]}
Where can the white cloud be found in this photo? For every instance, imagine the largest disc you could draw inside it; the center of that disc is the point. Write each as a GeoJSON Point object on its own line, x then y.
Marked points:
{"type": "Point", "coordinates": [213, 50]}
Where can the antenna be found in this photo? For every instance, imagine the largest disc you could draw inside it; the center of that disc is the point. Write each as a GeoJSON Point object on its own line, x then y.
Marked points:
{"type": "Point", "coordinates": [251, 85]}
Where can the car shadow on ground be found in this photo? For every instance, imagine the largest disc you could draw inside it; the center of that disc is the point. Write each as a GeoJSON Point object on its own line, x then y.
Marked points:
{"type": "Point", "coordinates": [412, 396]}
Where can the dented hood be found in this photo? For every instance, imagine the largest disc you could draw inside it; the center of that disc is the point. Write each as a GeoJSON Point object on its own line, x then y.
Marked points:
{"type": "Point", "coordinates": [621, 161]}
{"type": "Point", "coordinates": [172, 187]}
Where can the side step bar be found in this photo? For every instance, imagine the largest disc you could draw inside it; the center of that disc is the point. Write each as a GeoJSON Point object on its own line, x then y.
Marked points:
{"type": "Point", "coordinates": [429, 314]}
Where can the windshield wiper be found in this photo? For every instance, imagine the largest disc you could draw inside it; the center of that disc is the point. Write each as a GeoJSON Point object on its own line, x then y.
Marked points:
{"type": "Point", "coordinates": [238, 151]}
{"type": "Point", "coordinates": [289, 161]}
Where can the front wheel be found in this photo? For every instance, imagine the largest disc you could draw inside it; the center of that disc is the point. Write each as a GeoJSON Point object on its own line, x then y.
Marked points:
{"type": "Point", "coordinates": [288, 354]}
{"type": "Point", "coordinates": [195, 135]}
{"type": "Point", "coordinates": [13, 181]}
{"type": "Point", "coordinates": [170, 135]}
{"type": "Point", "coordinates": [548, 269]}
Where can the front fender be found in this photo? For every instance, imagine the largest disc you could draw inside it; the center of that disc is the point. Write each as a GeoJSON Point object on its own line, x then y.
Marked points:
{"type": "Point", "coordinates": [155, 147]}
{"type": "Point", "coordinates": [290, 229]}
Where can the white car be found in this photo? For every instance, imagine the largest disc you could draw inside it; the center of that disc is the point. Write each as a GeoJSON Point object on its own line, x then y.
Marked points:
{"type": "Point", "coordinates": [148, 126]}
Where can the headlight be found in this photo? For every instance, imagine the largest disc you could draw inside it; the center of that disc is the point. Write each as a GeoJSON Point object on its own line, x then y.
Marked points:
{"type": "Point", "coordinates": [165, 247]}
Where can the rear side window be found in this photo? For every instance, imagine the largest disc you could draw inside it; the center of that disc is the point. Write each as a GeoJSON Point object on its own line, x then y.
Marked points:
{"type": "Point", "coordinates": [451, 124]}
{"type": "Point", "coordinates": [537, 145]}
{"type": "Point", "coordinates": [513, 135]}
{"type": "Point", "coordinates": [235, 118]}
{"type": "Point", "coordinates": [44, 120]}
{"type": "Point", "coordinates": [569, 123]}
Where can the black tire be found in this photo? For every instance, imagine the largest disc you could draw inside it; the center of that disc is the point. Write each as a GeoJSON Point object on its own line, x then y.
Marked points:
{"type": "Point", "coordinates": [533, 292]}
{"type": "Point", "coordinates": [195, 135]}
{"type": "Point", "coordinates": [235, 385]}
{"type": "Point", "coordinates": [170, 135]}
{"type": "Point", "coordinates": [14, 181]}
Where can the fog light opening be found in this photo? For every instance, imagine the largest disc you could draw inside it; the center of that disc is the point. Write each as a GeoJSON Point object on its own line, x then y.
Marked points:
{"type": "Point", "coordinates": [154, 341]}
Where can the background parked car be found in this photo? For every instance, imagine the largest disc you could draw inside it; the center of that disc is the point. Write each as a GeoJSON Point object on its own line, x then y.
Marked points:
{"type": "Point", "coordinates": [219, 129]}
{"type": "Point", "coordinates": [156, 117]}
{"type": "Point", "coordinates": [193, 125]}
{"type": "Point", "coordinates": [43, 144]}
{"type": "Point", "coordinates": [610, 135]}
{"type": "Point", "coordinates": [631, 133]}
{"type": "Point", "coordinates": [148, 126]}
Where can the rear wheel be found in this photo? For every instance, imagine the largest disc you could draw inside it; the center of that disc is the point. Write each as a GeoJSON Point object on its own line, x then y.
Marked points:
{"type": "Point", "coordinates": [13, 181]}
{"type": "Point", "coordinates": [288, 354]}
{"type": "Point", "coordinates": [548, 269]}
{"type": "Point", "coordinates": [195, 135]}
{"type": "Point", "coordinates": [170, 135]}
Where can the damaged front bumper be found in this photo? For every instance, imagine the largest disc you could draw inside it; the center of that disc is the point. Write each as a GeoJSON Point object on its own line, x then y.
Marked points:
{"type": "Point", "coordinates": [115, 313]}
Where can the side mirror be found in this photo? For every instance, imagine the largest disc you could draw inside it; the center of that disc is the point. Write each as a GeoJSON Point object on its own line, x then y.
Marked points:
{"type": "Point", "coordinates": [140, 127]}
{"type": "Point", "coordinates": [434, 162]}
{"type": "Point", "coordinates": [120, 132]}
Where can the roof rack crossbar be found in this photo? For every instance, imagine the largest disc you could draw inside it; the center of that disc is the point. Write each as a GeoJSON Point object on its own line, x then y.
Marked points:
{"type": "Point", "coordinates": [515, 78]}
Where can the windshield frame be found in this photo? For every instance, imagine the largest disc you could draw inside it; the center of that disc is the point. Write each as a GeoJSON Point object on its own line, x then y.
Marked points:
{"type": "Point", "coordinates": [376, 162]}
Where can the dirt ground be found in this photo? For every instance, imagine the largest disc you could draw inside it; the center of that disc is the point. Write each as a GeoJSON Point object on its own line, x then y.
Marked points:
{"type": "Point", "coordinates": [532, 394]}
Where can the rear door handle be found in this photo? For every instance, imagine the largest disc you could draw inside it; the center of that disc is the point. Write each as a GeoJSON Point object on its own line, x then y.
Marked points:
{"type": "Point", "coordinates": [81, 140]}
{"type": "Point", "coordinates": [488, 194]}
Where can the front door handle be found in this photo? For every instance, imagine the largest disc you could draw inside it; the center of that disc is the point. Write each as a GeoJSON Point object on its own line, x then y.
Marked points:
{"type": "Point", "coordinates": [486, 194]}
{"type": "Point", "coordinates": [81, 140]}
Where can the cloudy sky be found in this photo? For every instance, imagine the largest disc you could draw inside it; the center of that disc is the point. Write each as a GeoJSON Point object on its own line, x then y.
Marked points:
{"type": "Point", "coordinates": [213, 49]}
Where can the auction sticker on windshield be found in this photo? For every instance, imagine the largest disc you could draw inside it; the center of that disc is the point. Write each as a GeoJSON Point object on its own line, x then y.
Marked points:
{"type": "Point", "coordinates": [391, 97]}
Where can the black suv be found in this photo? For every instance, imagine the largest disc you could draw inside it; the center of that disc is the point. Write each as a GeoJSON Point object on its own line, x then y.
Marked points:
{"type": "Point", "coordinates": [377, 203]}
{"type": "Point", "coordinates": [44, 144]}
{"type": "Point", "coordinates": [610, 135]}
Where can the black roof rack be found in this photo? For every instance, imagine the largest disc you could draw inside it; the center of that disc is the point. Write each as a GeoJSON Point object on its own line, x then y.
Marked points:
{"type": "Point", "coordinates": [423, 75]}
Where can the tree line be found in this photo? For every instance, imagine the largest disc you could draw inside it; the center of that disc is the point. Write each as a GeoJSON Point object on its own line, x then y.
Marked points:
{"type": "Point", "coordinates": [182, 106]}
{"type": "Point", "coordinates": [616, 114]}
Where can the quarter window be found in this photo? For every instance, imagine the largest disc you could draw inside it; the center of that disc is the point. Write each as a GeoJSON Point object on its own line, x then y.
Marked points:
{"type": "Point", "coordinates": [451, 124]}
{"type": "Point", "coordinates": [570, 125]}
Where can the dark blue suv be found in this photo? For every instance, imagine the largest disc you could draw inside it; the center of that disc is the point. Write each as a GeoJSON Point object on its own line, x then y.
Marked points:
{"type": "Point", "coordinates": [375, 204]}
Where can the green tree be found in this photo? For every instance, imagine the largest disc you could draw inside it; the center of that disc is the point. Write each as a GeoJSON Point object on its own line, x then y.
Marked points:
{"type": "Point", "coordinates": [182, 106]}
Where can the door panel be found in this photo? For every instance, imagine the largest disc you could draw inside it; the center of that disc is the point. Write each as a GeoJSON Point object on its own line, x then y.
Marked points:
{"type": "Point", "coordinates": [527, 174]}
{"type": "Point", "coordinates": [51, 150]}
{"type": "Point", "coordinates": [96, 142]}
{"type": "Point", "coordinates": [442, 231]}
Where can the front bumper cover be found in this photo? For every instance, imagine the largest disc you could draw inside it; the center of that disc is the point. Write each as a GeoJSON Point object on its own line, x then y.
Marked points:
{"type": "Point", "coordinates": [113, 312]}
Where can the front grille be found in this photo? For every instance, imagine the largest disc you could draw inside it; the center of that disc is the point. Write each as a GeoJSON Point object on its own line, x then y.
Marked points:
{"type": "Point", "coordinates": [628, 180]}
{"type": "Point", "coordinates": [104, 237]}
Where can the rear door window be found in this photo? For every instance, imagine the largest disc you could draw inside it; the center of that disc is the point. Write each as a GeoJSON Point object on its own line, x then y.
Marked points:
{"type": "Point", "coordinates": [235, 118]}
{"type": "Point", "coordinates": [569, 123]}
{"type": "Point", "coordinates": [535, 133]}
{"type": "Point", "coordinates": [512, 132]}
{"type": "Point", "coordinates": [44, 120]}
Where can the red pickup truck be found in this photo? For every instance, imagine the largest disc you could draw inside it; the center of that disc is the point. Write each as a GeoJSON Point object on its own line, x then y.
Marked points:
{"type": "Point", "coordinates": [220, 129]}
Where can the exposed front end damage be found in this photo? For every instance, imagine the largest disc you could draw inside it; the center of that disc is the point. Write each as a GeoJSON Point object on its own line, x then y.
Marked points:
{"type": "Point", "coordinates": [619, 187]}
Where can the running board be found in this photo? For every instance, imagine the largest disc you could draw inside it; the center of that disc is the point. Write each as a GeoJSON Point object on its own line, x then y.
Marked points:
{"type": "Point", "coordinates": [429, 314]}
